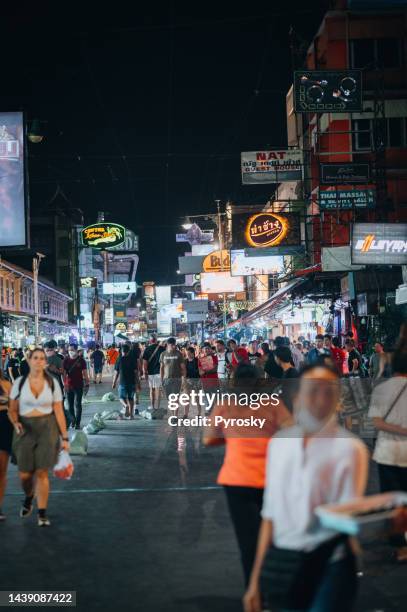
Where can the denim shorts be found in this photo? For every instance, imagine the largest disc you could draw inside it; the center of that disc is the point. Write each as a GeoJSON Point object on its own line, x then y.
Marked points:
{"type": "Point", "coordinates": [127, 391]}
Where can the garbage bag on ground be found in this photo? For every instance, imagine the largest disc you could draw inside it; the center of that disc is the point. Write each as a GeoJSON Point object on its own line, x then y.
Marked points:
{"type": "Point", "coordinates": [110, 415]}
{"type": "Point", "coordinates": [64, 466]}
{"type": "Point", "coordinates": [79, 443]}
{"type": "Point", "coordinates": [109, 397]}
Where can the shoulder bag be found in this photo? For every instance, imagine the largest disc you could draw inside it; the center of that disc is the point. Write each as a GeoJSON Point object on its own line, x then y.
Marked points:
{"type": "Point", "coordinates": [290, 578]}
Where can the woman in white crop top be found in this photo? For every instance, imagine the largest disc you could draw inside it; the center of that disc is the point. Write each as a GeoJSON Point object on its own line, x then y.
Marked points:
{"type": "Point", "coordinates": [38, 419]}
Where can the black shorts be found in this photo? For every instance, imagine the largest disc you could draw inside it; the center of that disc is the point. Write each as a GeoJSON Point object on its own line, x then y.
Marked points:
{"type": "Point", "coordinates": [6, 432]}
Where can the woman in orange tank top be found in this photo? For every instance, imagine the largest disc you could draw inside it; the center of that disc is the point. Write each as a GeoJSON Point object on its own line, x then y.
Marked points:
{"type": "Point", "coordinates": [246, 431]}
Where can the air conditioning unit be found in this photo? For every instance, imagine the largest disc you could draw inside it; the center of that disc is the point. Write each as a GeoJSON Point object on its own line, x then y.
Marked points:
{"type": "Point", "coordinates": [401, 294]}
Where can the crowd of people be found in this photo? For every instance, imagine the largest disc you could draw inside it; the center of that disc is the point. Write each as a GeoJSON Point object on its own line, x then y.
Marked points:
{"type": "Point", "coordinates": [273, 481]}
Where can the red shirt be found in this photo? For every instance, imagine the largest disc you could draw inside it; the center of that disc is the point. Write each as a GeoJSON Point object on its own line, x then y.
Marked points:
{"type": "Point", "coordinates": [203, 364]}
{"type": "Point", "coordinates": [243, 354]}
{"type": "Point", "coordinates": [73, 369]}
{"type": "Point", "coordinates": [338, 356]}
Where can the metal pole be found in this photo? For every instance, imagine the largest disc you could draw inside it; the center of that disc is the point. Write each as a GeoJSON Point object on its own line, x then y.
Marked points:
{"type": "Point", "coordinates": [220, 233]}
{"type": "Point", "coordinates": [36, 266]}
{"type": "Point", "coordinates": [36, 303]}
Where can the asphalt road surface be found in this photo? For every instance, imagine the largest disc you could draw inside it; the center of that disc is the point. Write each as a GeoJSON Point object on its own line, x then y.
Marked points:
{"type": "Point", "coordinates": [143, 526]}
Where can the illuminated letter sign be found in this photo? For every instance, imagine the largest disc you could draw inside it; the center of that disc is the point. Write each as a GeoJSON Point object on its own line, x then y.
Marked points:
{"type": "Point", "coordinates": [266, 229]}
{"type": "Point", "coordinates": [218, 261]}
{"type": "Point", "coordinates": [103, 235]}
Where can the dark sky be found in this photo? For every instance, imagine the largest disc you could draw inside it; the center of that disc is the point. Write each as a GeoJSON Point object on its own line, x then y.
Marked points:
{"type": "Point", "coordinates": [147, 109]}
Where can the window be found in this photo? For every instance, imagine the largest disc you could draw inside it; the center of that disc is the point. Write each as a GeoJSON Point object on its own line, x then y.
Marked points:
{"type": "Point", "coordinates": [396, 133]}
{"type": "Point", "coordinates": [389, 52]}
{"type": "Point", "coordinates": [385, 52]}
{"type": "Point", "coordinates": [362, 134]}
{"type": "Point", "coordinates": [362, 52]}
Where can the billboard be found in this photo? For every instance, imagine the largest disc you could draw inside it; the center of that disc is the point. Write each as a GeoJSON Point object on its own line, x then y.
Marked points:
{"type": "Point", "coordinates": [271, 166]}
{"type": "Point", "coordinates": [103, 235]}
{"type": "Point", "coordinates": [221, 282]}
{"type": "Point", "coordinates": [195, 235]}
{"type": "Point", "coordinates": [379, 243]}
{"type": "Point", "coordinates": [265, 229]}
{"type": "Point", "coordinates": [338, 174]}
{"type": "Point", "coordinates": [13, 201]}
{"type": "Point", "coordinates": [347, 199]}
{"type": "Point", "coordinates": [327, 91]}
{"type": "Point", "coordinates": [243, 265]}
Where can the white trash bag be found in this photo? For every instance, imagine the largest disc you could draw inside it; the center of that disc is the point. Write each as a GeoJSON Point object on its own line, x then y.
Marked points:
{"type": "Point", "coordinates": [64, 466]}
{"type": "Point", "coordinates": [109, 397]}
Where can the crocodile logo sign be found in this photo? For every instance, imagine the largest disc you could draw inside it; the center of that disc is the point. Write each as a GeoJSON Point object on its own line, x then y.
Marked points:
{"type": "Point", "coordinates": [103, 235]}
{"type": "Point", "coordinates": [266, 229]}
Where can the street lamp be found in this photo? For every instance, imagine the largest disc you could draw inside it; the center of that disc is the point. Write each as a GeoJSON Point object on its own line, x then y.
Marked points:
{"type": "Point", "coordinates": [36, 266]}
{"type": "Point", "coordinates": [187, 224]}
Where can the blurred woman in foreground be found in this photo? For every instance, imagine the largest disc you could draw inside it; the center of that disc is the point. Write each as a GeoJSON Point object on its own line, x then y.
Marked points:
{"type": "Point", "coordinates": [243, 471]}
{"type": "Point", "coordinates": [303, 565]}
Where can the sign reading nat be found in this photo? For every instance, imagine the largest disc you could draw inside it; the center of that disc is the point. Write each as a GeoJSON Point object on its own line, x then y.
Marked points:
{"type": "Point", "coordinates": [103, 235]}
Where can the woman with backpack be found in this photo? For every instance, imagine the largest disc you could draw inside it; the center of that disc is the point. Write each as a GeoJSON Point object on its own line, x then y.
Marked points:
{"type": "Point", "coordinates": [38, 419]}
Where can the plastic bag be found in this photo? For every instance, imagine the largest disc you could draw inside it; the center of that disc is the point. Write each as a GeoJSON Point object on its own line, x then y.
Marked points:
{"type": "Point", "coordinates": [79, 443]}
{"type": "Point", "coordinates": [64, 466]}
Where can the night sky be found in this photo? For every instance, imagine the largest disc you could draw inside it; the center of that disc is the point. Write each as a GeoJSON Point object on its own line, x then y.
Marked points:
{"type": "Point", "coordinates": [147, 109]}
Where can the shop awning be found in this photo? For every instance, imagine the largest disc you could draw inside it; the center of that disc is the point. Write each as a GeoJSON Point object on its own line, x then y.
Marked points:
{"type": "Point", "coordinates": [271, 304]}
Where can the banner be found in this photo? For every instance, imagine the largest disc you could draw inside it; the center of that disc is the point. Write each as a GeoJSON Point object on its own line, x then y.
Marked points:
{"type": "Point", "coordinates": [379, 243]}
{"type": "Point", "coordinates": [347, 200]}
{"type": "Point", "coordinates": [338, 174]}
{"type": "Point", "coordinates": [271, 166]}
{"type": "Point", "coordinates": [265, 229]}
{"type": "Point", "coordinates": [13, 209]}
{"type": "Point", "coordinates": [328, 91]}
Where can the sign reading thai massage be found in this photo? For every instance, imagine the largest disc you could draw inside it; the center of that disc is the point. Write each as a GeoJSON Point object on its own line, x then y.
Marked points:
{"type": "Point", "coordinates": [103, 235]}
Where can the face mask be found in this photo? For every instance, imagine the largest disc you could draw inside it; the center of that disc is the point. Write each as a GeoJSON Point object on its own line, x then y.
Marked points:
{"type": "Point", "coordinates": [72, 354]}
{"type": "Point", "coordinates": [308, 423]}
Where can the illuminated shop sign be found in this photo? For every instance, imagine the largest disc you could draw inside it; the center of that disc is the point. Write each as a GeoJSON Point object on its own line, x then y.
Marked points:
{"type": "Point", "coordinates": [103, 235]}
{"type": "Point", "coordinates": [379, 243]}
{"type": "Point", "coordinates": [265, 229]}
{"type": "Point", "coordinates": [218, 261]}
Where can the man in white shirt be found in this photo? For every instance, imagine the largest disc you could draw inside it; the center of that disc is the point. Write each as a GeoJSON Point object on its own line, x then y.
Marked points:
{"type": "Point", "coordinates": [221, 355]}
{"type": "Point", "coordinates": [315, 462]}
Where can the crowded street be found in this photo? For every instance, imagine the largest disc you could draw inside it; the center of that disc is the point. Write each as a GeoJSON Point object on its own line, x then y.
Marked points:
{"type": "Point", "coordinates": [166, 521]}
{"type": "Point", "coordinates": [203, 306]}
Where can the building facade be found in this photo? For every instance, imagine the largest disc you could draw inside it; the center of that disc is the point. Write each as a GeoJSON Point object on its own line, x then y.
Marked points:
{"type": "Point", "coordinates": [17, 307]}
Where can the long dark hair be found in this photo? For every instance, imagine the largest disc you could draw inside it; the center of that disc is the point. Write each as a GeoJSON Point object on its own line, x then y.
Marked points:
{"type": "Point", "coordinates": [47, 375]}
{"type": "Point", "coordinates": [2, 377]}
